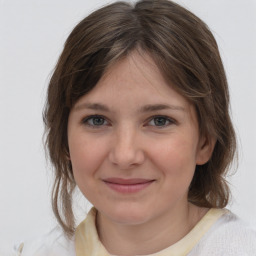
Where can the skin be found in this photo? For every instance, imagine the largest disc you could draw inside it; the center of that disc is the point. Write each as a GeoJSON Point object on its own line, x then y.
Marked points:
{"type": "Point", "coordinates": [128, 141]}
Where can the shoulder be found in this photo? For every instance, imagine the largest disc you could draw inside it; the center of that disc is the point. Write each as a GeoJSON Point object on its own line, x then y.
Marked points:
{"type": "Point", "coordinates": [54, 243]}
{"type": "Point", "coordinates": [228, 236]}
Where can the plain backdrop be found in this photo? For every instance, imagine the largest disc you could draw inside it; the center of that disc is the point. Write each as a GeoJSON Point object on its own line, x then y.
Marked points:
{"type": "Point", "coordinates": [32, 34]}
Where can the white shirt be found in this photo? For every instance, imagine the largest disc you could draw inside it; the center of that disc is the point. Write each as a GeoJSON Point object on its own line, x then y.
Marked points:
{"type": "Point", "coordinates": [218, 233]}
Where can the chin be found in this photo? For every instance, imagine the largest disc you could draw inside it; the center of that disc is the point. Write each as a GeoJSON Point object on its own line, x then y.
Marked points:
{"type": "Point", "coordinates": [128, 215]}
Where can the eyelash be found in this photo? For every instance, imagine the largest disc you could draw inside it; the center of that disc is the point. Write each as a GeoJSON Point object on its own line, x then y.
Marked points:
{"type": "Point", "coordinates": [166, 118]}
{"type": "Point", "coordinates": [86, 121]}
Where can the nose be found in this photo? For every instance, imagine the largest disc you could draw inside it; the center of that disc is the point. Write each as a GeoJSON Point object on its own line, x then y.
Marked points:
{"type": "Point", "coordinates": [126, 151]}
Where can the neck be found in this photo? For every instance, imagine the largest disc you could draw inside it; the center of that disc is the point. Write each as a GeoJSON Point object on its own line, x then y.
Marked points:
{"type": "Point", "coordinates": [151, 236]}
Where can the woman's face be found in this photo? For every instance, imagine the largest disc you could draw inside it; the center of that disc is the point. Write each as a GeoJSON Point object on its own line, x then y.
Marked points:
{"type": "Point", "coordinates": [134, 143]}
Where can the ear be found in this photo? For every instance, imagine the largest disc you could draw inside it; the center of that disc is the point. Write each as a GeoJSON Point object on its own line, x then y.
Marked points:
{"type": "Point", "coordinates": [205, 148]}
{"type": "Point", "coordinates": [67, 154]}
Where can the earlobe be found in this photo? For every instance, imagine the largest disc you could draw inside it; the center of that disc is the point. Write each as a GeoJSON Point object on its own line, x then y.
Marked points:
{"type": "Point", "coordinates": [205, 149]}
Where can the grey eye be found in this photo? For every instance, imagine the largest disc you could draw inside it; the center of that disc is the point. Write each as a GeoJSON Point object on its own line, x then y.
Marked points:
{"type": "Point", "coordinates": [97, 121]}
{"type": "Point", "coordinates": [160, 121]}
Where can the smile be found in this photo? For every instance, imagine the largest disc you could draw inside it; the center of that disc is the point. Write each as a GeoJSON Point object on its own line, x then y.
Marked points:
{"type": "Point", "coordinates": [127, 186]}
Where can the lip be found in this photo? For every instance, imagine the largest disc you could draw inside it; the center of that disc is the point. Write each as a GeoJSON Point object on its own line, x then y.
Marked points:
{"type": "Point", "coordinates": [127, 186]}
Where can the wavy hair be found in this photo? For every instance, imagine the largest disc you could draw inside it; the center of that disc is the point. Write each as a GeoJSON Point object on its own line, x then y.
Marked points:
{"type": "Point", "coordinates": [186, 53]}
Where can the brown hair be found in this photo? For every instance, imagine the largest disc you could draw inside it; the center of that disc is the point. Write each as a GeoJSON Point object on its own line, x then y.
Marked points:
{"type": "Point", "coordinates": [185, 51]}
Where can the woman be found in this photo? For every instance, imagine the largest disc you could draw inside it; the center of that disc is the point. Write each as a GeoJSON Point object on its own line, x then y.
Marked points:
{"type": "Point", "coordinates": [137, 117]}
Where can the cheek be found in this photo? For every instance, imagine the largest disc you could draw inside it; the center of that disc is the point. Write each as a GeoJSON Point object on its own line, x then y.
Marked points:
{"type": "Point", "coordinates": [176, 158]}
{"type": "Point", "coordinates": [176, 163]}
{"type": "Point", "coordinates": [86, 156]}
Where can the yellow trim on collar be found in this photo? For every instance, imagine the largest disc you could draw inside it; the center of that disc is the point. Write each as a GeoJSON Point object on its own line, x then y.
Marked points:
{"type": "Point", "coordinates": [87, 242]}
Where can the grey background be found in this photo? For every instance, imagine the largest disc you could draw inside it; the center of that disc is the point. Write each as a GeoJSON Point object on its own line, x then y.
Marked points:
{"type": "Point", "coordinates": [32, 33]}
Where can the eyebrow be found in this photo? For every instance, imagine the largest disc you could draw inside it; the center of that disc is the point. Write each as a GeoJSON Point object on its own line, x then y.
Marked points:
{"type": "Point", "coordinates": [146, 108]}
{"type": "Point", "coordinates": [156, 107]}
{"type": "Point", "coordinates": [93, 106]}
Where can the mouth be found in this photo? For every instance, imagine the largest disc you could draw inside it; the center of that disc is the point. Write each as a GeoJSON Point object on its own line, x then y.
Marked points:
{"type": "Point", "coordinates": [127, 186]}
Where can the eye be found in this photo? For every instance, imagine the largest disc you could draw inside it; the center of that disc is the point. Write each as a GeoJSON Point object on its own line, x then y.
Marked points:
{"type": "Point", "coordinates": [95, 121]}
{"type": "Point", "coordinates": [161, 121]}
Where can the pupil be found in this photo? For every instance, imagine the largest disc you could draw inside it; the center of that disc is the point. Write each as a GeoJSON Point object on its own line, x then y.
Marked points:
{"type": "Point", "coordinates": [160, 121]}
{"type": "Point", "coordinates": [98, 121]}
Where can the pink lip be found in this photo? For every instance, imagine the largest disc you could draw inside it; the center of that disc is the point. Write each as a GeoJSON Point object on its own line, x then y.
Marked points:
{"type": "Point", "coordinates": [127, 185]}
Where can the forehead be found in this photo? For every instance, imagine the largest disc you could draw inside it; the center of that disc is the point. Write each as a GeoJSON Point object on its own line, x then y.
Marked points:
{"type": "Point", "coordinates": [135, 77]}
